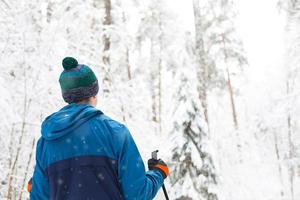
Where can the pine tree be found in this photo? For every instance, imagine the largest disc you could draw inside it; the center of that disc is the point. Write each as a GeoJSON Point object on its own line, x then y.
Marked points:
{"type": "Point", "coordinates": [193, 171]}
{"type": "Point", "coordinates": [228, 48]}
{"type": "Point", "coordinates": [200, 171]}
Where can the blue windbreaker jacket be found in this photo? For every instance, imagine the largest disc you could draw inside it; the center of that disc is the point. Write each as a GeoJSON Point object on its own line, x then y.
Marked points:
{"type": "Point", "coordinates": [85, 155]}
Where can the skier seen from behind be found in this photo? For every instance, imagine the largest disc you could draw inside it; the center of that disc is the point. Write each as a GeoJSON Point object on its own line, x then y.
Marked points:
{"type": "Point", "coordinates": [84, 155]}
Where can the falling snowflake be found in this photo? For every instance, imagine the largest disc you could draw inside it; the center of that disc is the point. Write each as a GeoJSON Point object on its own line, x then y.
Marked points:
{"type": "Point", "coordinates": [100, 176]}
{"type": "Point", "coordinates": [68, 140]}
{"type": "Point", "coordinates": [60, 181]}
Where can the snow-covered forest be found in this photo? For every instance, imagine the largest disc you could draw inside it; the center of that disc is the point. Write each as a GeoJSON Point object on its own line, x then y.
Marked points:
{"type": "Point", "coordinates": [223, 110]}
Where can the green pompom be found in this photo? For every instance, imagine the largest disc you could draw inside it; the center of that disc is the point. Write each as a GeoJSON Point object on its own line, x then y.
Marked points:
{"type": "Point", "coordinates": [69, 63]}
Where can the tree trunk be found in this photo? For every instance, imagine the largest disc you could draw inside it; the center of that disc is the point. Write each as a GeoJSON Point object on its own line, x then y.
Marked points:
{"type": "Point", "coordinates": [202, 70]}
{"type": "Point", "coordinates": [129, 74]}
{"type": "Point", "coordinates": [18, 151]}
{"type": "Point", "coordinates": [153, 85]}
{"type": "Point", "coordinates": [159, 87]}
{"type": "Point", "coordinates": [291, 145]}
{"type": "Point", "coordinates": [127, 52]}
{"type": "Point", "coordinates": [159, 117]}
{"type": "Point", "coordinates": [27, 168]}
{"type": "Point", "coordinates": [279, 165]}
{"type": "Point", "coordinates": [229, 85]}
{"type": "Point", "coordinates": [106, 38]}
{"type": "Point", "coordinates": [234, 114]}
{"type": "Point", "coordinates": [156, 77]}
{"type": "Point", "coordinates": [49, 11]}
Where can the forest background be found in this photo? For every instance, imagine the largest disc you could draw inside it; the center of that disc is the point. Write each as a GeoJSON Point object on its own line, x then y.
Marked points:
{"type": "Point", "coordinates": [213, 84]}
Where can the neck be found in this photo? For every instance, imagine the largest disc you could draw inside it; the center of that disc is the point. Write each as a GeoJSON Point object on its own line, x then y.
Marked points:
{"type": "Point", "coordinates": [91, 101]}
{"type": "Point", "coordinates": [84, 102]}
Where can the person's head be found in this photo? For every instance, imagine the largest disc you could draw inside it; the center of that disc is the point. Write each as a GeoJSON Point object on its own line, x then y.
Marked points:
{"type": "Point", "coordinates": [78, 83]}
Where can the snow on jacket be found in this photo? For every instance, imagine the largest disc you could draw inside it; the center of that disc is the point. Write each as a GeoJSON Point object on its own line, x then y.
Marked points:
{"type": "Point", "coordinates": [85, 155]}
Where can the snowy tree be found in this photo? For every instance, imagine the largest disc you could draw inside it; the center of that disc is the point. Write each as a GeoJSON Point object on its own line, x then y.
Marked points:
{"type": "Point", "coordinates": [152, 32]}
{"type": "Point", "coordinates": [219, 51]}
{"type": "Point", "coordinates": [193, 174]}
{"type": "Point", "coordinates": [206, 71]}
{"type": "Point", "coordinates": [198, 172]}
{"type": "Point", "coordinates": [194, 171]}
{"type": "Point", "coordinates": [292, 92]}
{"type": "Point", "coordinates": [227, 47]}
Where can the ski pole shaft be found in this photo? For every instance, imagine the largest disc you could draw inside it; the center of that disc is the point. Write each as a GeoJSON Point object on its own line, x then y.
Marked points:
{"type": "Point", "coordinates": [154, 156]}
{"type": "Point", "coordinates": [165, 191]}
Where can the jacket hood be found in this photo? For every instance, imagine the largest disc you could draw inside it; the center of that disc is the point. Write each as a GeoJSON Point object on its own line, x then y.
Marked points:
{"type": "Point", "coordinates": [67, 119]}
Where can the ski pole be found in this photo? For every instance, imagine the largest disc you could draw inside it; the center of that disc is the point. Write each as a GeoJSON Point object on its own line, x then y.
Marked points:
{"type": "Point", "coordinates": [154, 156]}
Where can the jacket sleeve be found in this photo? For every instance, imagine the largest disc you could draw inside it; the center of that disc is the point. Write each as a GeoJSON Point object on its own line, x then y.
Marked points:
{"type": "Point", "coordinates": [40, 188]}
{"type": "Point", "coordinates": [136, 183]}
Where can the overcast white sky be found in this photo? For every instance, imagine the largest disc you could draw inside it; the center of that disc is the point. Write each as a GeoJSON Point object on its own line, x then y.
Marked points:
{"type": "Point", "coordinates": [262, 30]}
{"type": "Point", "coordinates": [260, 26]}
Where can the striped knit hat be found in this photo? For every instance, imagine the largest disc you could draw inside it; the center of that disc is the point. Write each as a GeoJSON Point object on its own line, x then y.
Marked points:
{"type": "Point", "coordinates": [77, 81]}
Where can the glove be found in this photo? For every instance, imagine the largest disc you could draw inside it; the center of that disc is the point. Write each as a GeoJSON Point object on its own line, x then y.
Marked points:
{"type": "Point", "coordinates": [159, 165]}
{"type": "Point", "coordinates": [29, 185]}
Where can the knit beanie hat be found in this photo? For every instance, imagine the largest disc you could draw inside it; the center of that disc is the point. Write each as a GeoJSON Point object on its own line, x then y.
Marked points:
{"type": "Point", "coordinates": [77, 81]}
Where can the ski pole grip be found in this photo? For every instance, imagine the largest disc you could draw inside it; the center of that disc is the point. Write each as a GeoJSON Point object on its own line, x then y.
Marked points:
{"type": "Point", "coordinates": [154, 154]}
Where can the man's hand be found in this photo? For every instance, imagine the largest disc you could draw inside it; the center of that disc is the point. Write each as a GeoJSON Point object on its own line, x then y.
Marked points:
{"type": "Point", "coordinates": [160, 165]}
{"type": "Point", "coordinates": [29, 185]}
